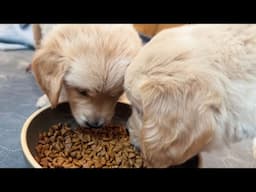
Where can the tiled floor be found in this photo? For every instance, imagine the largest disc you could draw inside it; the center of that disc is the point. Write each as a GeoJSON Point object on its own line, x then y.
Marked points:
{"type": "Point", "coordinates": [18, 95]}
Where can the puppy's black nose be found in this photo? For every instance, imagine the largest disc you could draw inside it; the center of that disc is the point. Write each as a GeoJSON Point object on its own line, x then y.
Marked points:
{"type": "Point", "coordinates": [95, 124]}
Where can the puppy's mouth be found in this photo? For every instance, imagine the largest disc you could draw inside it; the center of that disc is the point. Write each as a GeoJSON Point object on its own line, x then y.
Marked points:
{"type": "Point", "coordinates": [94, 125]}
{"type": "Point", "coordinates": [83, 122]}
{"type": "Point", "coordinates": [91, 125]}
{"type": "Point", "coordinates": [136, 147]}
{"type": "Point", "coordinates": [127, 131]}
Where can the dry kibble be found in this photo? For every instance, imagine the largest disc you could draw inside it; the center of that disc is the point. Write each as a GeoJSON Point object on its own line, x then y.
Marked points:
{"type": "Point", "coordinates": [131, 155]}
{"type": "Point", "coordinates": [46, 153]}
{"type": "Point", "coordinates": [73, 154]}
{"type": "Point", "coordinates": [108, 147]}
{"type": "Point", "coordinates": [90, 143]}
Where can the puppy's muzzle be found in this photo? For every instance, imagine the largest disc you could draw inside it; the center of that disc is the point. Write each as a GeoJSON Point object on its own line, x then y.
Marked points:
{"type": "Point", "coordinates": [94, 124]}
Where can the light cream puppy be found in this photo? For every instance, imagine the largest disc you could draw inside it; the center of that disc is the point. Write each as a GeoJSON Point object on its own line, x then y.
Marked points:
{"type": "Point", "coordinates": [192, 88]}
{"type": "Point", "coordinates": [85, 65]}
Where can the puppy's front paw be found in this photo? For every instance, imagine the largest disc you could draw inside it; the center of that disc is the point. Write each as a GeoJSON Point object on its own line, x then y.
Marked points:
{"type": "Point", "coordinates": [42, 101]}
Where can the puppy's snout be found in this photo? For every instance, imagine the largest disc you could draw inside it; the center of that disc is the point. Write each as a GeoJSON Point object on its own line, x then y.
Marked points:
{"type": "Point", "coordinates": [94, 124]}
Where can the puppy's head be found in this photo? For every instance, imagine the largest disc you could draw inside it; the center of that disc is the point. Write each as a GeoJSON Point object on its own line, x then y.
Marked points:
{"type": "Point", "coordinates": [88, 62]}
{"type": "Point", "coordinates": [174, 105]}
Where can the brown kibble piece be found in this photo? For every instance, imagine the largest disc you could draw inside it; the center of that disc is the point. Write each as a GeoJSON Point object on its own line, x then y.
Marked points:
{"type": "Point", "coordinates": [131, 155]}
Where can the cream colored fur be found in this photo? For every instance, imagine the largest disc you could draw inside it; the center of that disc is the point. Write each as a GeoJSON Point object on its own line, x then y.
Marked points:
{"type": "Point", "coordinates": [195, 90]}
{"type": "Point", "coordinates": [85, 65]}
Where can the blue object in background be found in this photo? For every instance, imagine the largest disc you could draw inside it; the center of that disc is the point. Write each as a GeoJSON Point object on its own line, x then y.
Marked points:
{"type": "Point", "coordinates": [16, 37]}
{"type": "Point", "coordinates": [20, 36]}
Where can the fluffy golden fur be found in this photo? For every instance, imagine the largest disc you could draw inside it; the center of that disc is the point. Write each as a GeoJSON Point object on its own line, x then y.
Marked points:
{"type": "Point", "coordinates": [194, 90]}
{"type": "Point", "coordinates": [85, 64]}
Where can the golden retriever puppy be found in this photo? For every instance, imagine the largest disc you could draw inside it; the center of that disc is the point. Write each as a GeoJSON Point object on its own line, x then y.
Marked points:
{"type": "Point", "coordinates": [192, 88]}
{"type": "Point", "coordinates": [85, 64]}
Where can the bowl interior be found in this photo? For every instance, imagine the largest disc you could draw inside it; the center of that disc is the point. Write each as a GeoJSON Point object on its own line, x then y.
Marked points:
{"type": "Point", "coordinates": [62, 114]}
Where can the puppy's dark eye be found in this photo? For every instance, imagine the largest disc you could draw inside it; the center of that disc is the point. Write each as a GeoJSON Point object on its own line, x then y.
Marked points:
{"type": "Point", "coordinates": [82, 92]}
{"type": "Point", "coordinates": [113, 96]}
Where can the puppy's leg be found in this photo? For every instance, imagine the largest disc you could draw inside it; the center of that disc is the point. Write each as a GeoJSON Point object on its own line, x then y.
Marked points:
{"type": "Point", "coordinates": [44, 101]}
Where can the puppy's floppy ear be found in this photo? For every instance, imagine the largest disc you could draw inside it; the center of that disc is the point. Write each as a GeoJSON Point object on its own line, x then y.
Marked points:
{"type": "Point", "coordinates": [49, 69]}
{"type": "Point", "coordinates": [177, 123]}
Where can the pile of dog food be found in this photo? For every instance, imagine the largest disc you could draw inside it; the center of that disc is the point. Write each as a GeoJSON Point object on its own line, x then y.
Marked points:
{"type": "Point", "coordinates": [108, 147]}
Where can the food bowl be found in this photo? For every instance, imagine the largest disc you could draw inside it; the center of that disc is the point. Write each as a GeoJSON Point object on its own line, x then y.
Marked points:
{"type": "Point", "coordinates": [45, 117]}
